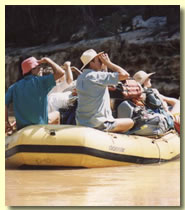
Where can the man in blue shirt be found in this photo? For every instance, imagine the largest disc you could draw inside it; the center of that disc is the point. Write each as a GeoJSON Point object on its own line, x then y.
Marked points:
{"type": "Point", "coordinates": [29, 95]}
{"type": "Point", "coordinates": [93, 97]}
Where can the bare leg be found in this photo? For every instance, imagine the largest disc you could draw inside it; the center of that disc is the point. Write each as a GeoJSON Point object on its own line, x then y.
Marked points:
{"type": "Point", "coordinates": [54, 117]}
{"type": "Point", "coordinates": [123, 125]}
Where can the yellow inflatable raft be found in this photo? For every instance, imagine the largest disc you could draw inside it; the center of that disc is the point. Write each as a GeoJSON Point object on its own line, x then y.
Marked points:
{"type": "Point", "coordinates": [75, 146]}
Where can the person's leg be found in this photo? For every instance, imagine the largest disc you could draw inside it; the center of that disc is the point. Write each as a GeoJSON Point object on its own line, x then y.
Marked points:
{"type": "Point", "coordinates": [54, 117]}
{"type": "Point", "coordinates": [122, 125]}
{"type": "Point", "coordinates": [118, 125]}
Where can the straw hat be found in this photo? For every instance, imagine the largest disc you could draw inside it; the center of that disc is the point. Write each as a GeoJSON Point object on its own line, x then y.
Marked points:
{"type": "Point", "coordinates": [28, 64]}
{"type": "Point", "coordinates": [142, 76]}
{"type": "Point", "coordinates": [88, 56]}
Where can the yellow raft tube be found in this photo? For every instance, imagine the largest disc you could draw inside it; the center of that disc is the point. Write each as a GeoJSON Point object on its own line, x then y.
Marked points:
{"type": "Point", "coordinates": [75, 146]}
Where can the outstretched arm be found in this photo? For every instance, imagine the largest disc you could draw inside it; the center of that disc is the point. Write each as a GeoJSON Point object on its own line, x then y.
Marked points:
{"type": "Point", "coordinates": [175, 103]}
{"type": "Point", "coordinates": [76, 70]}
{"type": "Point", "coordinates": [68, 72]}
{"type": "Point", "coordinates": [57, 70]}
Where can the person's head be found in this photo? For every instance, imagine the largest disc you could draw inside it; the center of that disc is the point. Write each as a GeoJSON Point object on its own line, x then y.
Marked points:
{"type": "Point", "coordinates": [90, 59]}
{"type": "Point", "coordinates": [143, 78]}
{"type": "Point", "coordinates": [30, 65]}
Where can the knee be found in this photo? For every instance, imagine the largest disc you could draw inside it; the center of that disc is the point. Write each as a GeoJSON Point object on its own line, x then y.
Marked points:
{"type": "Point", "coordinates": [130, 123]}
{"type": "Point", "coordinates": [54, 117]}
{"type": "Point", "coordinates": [125, 124]}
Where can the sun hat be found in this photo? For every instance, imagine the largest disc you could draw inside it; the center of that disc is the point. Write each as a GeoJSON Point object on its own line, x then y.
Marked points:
{"type": "Point", "coordinates": [28, 64]}
{"type": "Point", "coordinates": [88, 56]}
{"type": "Point", "coordinates": [141, 76]}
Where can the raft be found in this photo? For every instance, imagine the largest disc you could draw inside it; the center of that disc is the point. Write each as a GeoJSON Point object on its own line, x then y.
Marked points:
{"type": "Point", "coordinates": [78, 146]}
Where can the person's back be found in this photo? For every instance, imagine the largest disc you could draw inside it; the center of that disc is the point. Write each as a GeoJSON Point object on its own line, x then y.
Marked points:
{"type": "Point", "coordinates": [93, 97]}
{"type": "Point", "coordinates": [30, 94]}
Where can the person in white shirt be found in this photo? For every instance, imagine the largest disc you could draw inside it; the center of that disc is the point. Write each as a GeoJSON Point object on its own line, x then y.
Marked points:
{"type": "Point", "coordinates": [62, 95]}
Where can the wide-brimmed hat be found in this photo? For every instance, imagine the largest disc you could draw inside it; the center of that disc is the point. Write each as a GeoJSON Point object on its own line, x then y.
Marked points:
{"type": "Point", "coordinates": [88, 56]}
{"type": "Point", "coordinates": [141, 76]}
{"type": "Point", "coordinates": [28, 64]}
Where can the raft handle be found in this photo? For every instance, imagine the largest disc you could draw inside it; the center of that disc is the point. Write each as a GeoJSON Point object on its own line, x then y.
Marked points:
{"type": "Point", "coordinates": [52, 132]}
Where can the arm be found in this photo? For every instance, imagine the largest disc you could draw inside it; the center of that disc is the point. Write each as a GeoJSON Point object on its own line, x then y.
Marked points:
{"type": "Point", "coordinates": [123, 74]}
{"type": "Point", "coordinates": [169, 100]}
{"type": "Point", "coordinates": [58, 71]}
{"type": "Point", "coordinates": [175, 103]}
{"type": "Point", "coordinates": [69, 75]}
{"type": "Point", "coordinates": [76, 70]}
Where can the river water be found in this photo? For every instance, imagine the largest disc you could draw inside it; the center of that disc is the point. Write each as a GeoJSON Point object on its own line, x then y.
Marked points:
{"type": "Point", "coordinates": [134, 185]}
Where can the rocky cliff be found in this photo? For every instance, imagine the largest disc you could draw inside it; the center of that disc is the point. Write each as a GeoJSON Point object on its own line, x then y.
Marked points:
{"type": "Point", "coordinates": [150, 44]}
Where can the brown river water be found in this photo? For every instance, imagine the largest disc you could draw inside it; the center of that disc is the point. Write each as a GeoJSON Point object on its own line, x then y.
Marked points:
{"type": "Point", "coordinates": [134, 185]}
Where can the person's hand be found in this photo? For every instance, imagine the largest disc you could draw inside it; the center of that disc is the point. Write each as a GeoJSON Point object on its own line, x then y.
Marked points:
{"type": "Point", "coordinates": [67, 64]}
{"type": "Point", "coordinates": [104, 58]}
{"type": "Point", "coordinates": [8, 127]}
{"type": "Point", "coordinates": [74, 92]}
{"type": "Point", "coordinates": [107, 57]}
{"type": "Point", "coordinates": [44, 60]}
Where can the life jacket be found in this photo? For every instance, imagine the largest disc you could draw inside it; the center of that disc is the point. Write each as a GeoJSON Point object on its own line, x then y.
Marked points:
{"type": "Point", "coordinates": [127, 89]}
{"type": "Point", "coordinates": [152, 101]}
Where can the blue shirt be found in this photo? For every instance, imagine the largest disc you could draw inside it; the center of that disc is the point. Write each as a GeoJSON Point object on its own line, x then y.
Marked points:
{"type": "Point", "coordinates": [29, 98]}
{"type": "Point", "coordinates": [93, 97]}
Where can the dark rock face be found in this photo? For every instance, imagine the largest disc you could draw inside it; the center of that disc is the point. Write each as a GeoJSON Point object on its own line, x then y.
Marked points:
{"type": "Point", "coordinates": [152, 48]}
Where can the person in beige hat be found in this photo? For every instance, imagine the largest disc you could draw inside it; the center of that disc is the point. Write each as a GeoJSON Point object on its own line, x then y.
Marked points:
{"type": "Point", "coordinates": [93, 108]}
{"type": "Point", "coordinates": [144, 79]}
